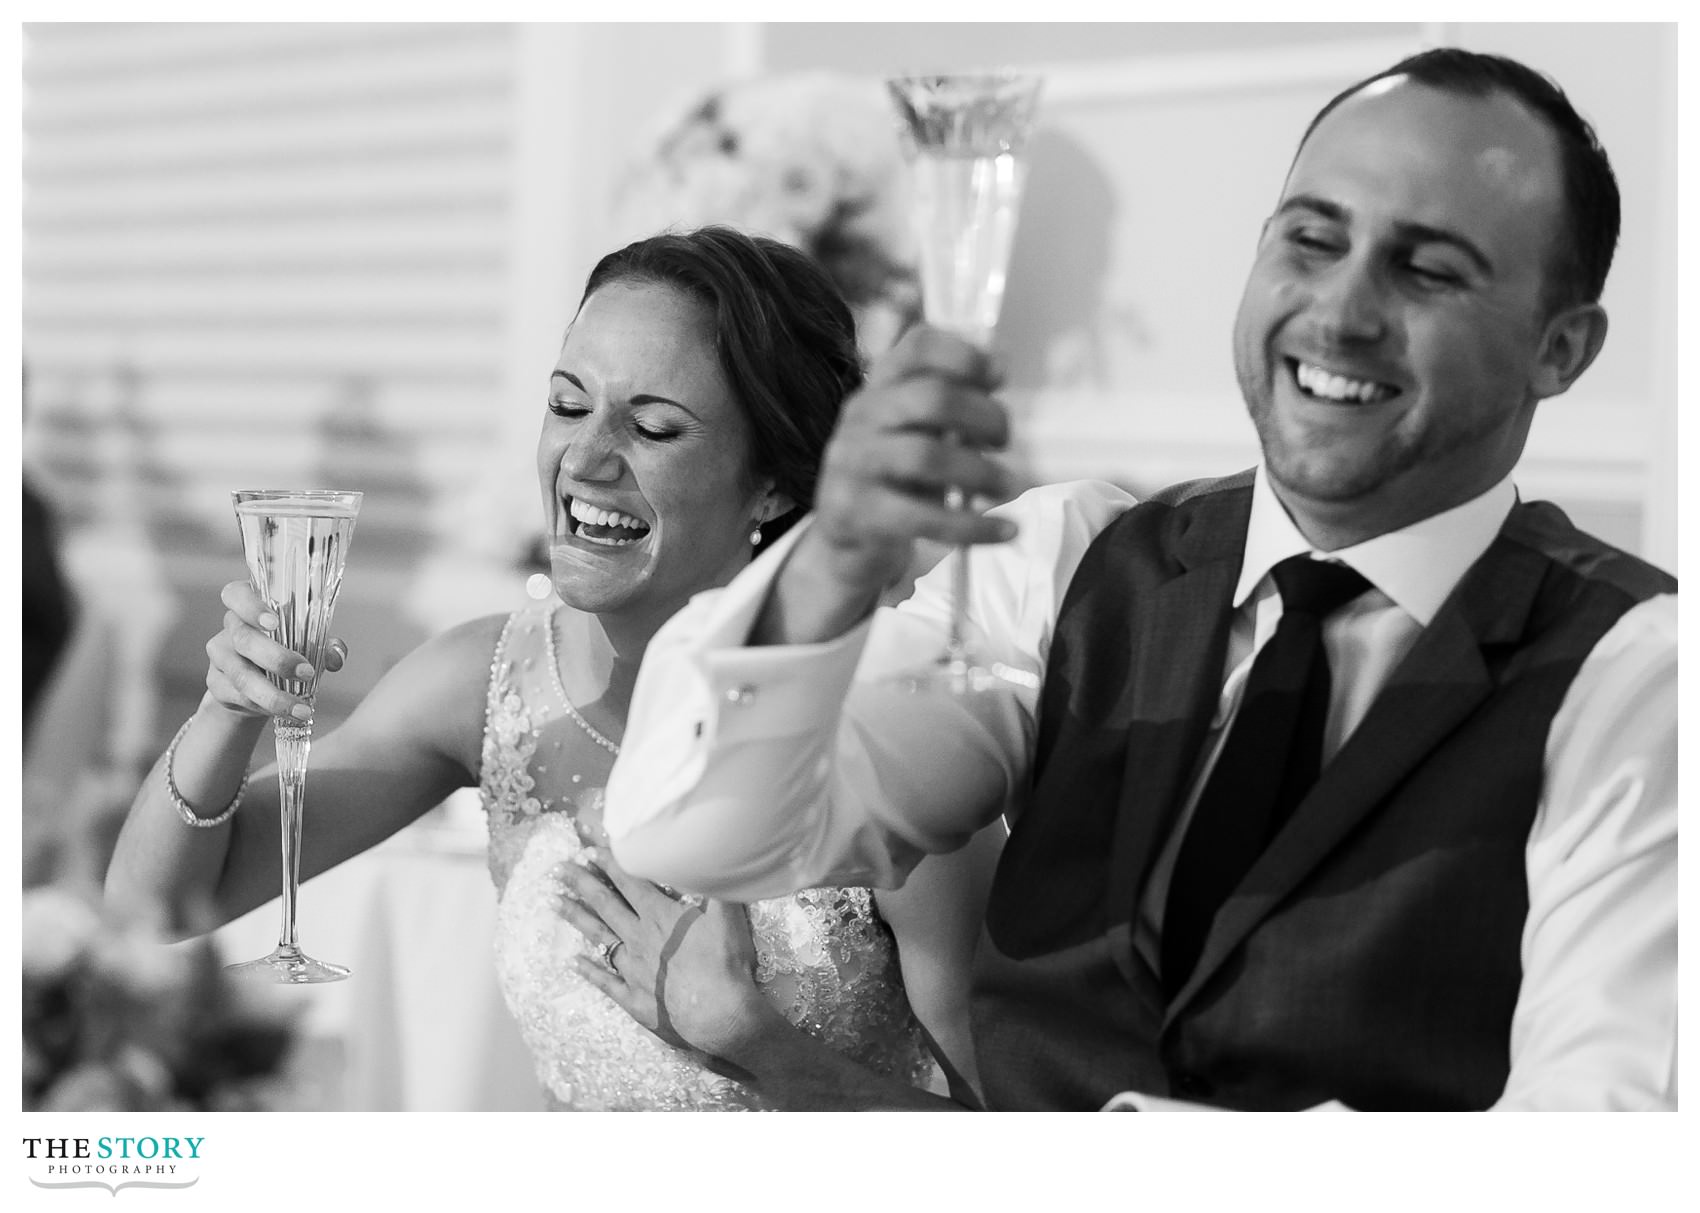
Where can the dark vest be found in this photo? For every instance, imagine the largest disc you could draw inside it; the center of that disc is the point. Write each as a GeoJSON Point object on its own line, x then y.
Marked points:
{"type": "Point", "coordinates": [1371, 955]}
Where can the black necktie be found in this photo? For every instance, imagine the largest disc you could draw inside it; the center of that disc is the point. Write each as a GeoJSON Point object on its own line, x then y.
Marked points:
{"type": "Point", "coordinates": [1270, 759]}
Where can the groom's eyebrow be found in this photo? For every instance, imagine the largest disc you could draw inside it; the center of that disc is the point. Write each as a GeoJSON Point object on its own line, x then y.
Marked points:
{"type": "Point", "coordinates": [1415, 233]}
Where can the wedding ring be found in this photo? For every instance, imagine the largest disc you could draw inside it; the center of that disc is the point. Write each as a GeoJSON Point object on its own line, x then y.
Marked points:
{"type": "Point", "coordinates": [605, 952]}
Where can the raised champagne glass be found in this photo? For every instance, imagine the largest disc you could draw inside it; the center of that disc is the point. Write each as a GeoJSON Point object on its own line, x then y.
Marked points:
{"type": "Point", "coordinates": [966, 138]}
{"type": "Point", "coordinates": [295, 542]}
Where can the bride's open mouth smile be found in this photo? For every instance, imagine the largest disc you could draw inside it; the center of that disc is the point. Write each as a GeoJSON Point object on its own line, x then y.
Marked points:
{"type": "Point", "coordinates": [603, 527]}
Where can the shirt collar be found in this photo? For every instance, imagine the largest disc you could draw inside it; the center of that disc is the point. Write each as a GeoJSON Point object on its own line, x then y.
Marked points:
{"type": "Point", "coordinates": [1416, 567]}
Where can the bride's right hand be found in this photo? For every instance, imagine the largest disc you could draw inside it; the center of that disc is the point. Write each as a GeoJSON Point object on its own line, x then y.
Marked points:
{"type": "Point", "coordinates": [684, 971]}
{"type": "Point", "coordinates": [242, 655]}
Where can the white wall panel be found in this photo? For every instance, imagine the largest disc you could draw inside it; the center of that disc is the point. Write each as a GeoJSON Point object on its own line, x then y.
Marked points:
{"type": "Point", "coordinates": [378, 127]}
{"type": "Point", "coordinates": [261, 254]}
{"type": "Point", "coordinates": [116, 49]}
{"type": "Point", "coordinates": [295, 242]}
{"type": "Point", "coordinates": [263, 72]}
{"type": "Point", "coordinates": [436, 404]}
{"type": "Point", "coordinates": [476, 176]}
{"type": "Point", "coordinates": [444, 296]}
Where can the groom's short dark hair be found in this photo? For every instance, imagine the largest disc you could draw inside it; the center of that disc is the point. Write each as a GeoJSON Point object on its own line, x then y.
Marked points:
{"type": "Point", "coordinates": [1583, 255]}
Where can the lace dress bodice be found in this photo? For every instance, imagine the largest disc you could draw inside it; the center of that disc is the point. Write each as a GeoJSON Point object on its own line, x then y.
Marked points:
{"type": "Point", "coordinates": [823, 956]}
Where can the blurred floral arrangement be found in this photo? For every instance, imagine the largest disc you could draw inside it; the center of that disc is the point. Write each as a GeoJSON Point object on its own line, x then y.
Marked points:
{"type": "Point", "coordinates": [116, 1020]}
{"type": "Point", "coordinates": [810, 158]}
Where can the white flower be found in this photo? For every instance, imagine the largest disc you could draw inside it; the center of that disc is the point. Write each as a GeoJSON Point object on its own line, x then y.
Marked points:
{"type": "Point", "coordinates": [90, 1087]}
{"type": "Point", "coordinates": [58, 927]}
{"type": "Point", "coordinates": [146, 1073]}
{"type": "Point", "coordinates": [810, 158]}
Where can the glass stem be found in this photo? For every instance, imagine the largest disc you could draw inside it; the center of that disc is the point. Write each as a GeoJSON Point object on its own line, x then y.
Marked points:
{"type": "Point", "coordinates": [956, 642]}
{"type": "Point", "coordinates": [956, 654]}
{"type": "Point", "coordinates": [294, 739]}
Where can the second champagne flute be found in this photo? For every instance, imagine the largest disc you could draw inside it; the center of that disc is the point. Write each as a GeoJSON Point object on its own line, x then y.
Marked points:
{"type": "Point", "coordinates": [966, 135]}
{"type": "Point", "coordinates": [295, 542]}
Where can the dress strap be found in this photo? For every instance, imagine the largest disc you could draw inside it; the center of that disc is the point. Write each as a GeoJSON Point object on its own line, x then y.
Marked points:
{"type": "Point", "coordinates": [498, 657]}
{"type": "Point", "coordinates": [518, 680]}
{"type": "Point", "coordinates": [514, 712]}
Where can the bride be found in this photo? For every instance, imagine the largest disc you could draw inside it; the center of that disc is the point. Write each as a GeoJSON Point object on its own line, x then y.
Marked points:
{"type": "Point", "coordinates": [685, 421]}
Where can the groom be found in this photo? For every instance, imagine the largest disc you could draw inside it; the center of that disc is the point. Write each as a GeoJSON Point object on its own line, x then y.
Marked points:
{"type": "Point", "coordinates": [1351, 778]}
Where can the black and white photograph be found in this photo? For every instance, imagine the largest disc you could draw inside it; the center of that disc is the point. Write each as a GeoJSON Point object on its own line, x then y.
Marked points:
{"type": "Point", "coordinates": [878, 566]}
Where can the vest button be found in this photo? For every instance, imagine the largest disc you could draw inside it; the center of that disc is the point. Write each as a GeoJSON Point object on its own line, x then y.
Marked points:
{"type": "Point", "coordinates": [1187, 1085]}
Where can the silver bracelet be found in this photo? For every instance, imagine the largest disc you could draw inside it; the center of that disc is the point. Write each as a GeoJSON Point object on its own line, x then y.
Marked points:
{"type": "Point", "coordinates": [183, 809]}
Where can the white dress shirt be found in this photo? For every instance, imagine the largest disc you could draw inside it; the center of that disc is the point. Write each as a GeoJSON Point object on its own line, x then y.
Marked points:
{"type": "Point", "coordinates": [749, 772]}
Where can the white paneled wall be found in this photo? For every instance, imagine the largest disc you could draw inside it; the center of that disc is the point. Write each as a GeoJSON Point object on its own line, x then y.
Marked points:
{"type": "Point", "coordinates": [258, 255]}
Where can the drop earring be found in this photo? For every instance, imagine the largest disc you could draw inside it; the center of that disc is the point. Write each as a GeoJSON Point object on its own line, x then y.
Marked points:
{"type": "Point", "coordinates": [755, 537]}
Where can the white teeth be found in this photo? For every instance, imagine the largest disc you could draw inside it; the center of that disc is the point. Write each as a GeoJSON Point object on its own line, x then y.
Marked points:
{"type": "Point", "coordinates": [593, 516]}
{"type": "Point", "coordinates": [1330, 386]}
{"type": "Point", "coordinates": [590, 515]}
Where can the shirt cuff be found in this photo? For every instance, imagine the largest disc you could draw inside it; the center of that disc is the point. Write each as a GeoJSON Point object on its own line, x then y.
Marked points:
{"type": "Point", "coordinates": [781, 690]}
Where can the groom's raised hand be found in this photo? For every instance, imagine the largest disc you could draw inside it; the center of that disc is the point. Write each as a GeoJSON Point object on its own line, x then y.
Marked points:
{"type": "Point", "coordinates": [925, 423]}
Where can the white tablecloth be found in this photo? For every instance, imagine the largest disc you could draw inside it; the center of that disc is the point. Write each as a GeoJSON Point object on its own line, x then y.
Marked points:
{"type": "Point", "coordinates": [420, 1025]}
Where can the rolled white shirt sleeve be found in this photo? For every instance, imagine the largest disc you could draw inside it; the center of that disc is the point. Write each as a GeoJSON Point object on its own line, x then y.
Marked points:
{"type": "Point", "coordinates": [750, 772]}
{"type": "Point", "coordinates": [1595, 1024]}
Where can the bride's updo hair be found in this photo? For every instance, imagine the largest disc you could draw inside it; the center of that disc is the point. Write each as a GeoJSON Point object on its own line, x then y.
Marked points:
{"type": "Point", "coordinates": [783, 334]}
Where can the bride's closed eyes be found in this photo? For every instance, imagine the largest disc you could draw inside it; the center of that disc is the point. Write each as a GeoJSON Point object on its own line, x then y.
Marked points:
{"type": "Point", "coordinates": [655, 417]}
{"type": "Point", "coordinates": [655, 430]}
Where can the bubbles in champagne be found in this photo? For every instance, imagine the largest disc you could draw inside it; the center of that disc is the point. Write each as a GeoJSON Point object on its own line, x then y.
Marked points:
{"type": "Point", "coordinates": [296, 547]}
{"type": "Point", "coordinates": [966, 135]}
{"type": "Point", "coordinates": [965, 214]}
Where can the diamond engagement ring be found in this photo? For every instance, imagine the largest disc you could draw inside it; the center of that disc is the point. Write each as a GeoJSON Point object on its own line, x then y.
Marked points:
{"type": "Point", "coordinates": [605, 952]}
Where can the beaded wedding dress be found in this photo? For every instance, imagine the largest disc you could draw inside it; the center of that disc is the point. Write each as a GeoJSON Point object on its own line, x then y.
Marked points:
{"type": "Point", "coordinates": [823, 956]}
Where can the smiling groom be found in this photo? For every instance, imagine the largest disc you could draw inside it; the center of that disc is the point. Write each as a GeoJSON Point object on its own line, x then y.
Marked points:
{"type": "Point", "coordinates": [1351, 778]}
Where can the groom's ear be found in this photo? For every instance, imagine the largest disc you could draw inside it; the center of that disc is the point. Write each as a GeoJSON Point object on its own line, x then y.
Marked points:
{"type": "Point", "coordinates": [1571, 341]}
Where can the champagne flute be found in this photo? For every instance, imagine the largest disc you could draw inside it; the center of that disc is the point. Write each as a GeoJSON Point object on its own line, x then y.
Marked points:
{"type": "Point", "coordinates": [966, 136]}
{"type": "Point", "coordinates": [295, 542]}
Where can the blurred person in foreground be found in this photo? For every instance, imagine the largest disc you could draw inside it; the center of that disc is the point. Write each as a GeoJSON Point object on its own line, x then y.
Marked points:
{"type": "Point", "coordinates": [49, 617]}
{"type": "Point", "coordinates": [694, 392]}
{"type": "Point", "coordinates": [63, 674]}
{"type": "Point", "coordinates": [49, 607]}
{"type": "Point", "coordinates": [1349, 779]}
